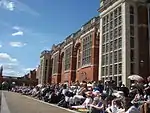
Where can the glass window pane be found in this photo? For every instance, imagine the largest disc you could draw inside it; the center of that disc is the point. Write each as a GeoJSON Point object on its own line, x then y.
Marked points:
{"type": "Point", "coordinates": [120, 20]}
{"type": "Point", "coordinates": [67, 58]}
{"type": "Point", "coordinates": [103, 49]}
{"type": "Point", "coordinates": [120, 78]}
{"type": "Point", "coordinates": [132, 42]}
{"type": "Point", "coordinates": [107, 37]}
{"type": "Point", "coordinates": [119, 56]}
{"type": "Point", "coordinates": [115, 45]}
{"type": "Point", "coordinates": [115, 33]}
{"type": "Point", "coordinates": [120, 31]}
{"type": "Point", "coordinates": [119, 10]}
{"type": "Point", "coordinates": [104, 29]}
{"type": "Point", "coordinates": [115, 69]}
{"type": "Point", "coordinates": [106, 70]}
{"type": "Point", "coordinates": [110, 58]}
{"type": "Point", "coordinates": [106, 59]}
{"type": "Point", "coordinates": [103, 60]}
{"type": "Point", "coordinates": [115, 57]}
{"type": "Point", "coordinates": [120, 68]}
{"type": "Point", "coordinates": [132, 68]}
{"type": "Point", "coordinates": [131, 19]}
{"type": "Point", "coordinates": [111, 16]}
{"type": "Point", "coordinates": [111, 35]}
{"type": "Point", "coordinates": [110, 70]}
{"type": "Point", "coordinates": [132, 55]}
{"type": "Point", "coordinates": [103, 71]}
{"type": "Point", "coordinates": [115, 13]}
{"type": "Point", "coordinates": [132, 30]}
{"type": "Point", "coordinates": [107, 47]}
{"type": "Point", "coordinates": [107, 27]}
{"type": "Point", "coordinates": [104, 21]}
{"type": "Point", "coordinates": [115, 22]}
{"type": "Point", "coordinates": [120, 42]}
{"type": "Point", "coordinates": [131, 10]}
{"type": "Point", "coordinates": [107, 18]}
{"type": "Point", "coordinates": [87, 45]}
{"type": "Point", "coordinates": [111, 45]}
{"type": "Point", "coordinates": [111, 24]}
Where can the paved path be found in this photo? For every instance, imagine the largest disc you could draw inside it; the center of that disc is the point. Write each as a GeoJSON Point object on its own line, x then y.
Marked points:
{"type": "Point", "coordinates": [17, 103]}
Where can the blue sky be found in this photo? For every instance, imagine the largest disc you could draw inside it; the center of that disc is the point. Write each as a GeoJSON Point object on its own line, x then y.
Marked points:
{"type": "Point", "coordinates": [31, 26]}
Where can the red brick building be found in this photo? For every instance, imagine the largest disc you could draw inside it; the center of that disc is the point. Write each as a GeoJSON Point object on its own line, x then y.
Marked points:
{"type": "Point", "coordinates": [77, 57]}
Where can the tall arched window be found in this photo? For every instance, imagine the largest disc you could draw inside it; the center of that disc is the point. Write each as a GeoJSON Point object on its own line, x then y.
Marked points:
{"type": "Point", "coordinates": [86, 50]}
{"type": "Point", "coordinates": [79, 58]}
{"type": "Point", "coordinates": [68, 57]}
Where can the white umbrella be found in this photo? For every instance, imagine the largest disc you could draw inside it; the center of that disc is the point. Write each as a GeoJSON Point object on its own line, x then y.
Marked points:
{"type": "Point", "coordinates": [39, 85]}
{"type": "Point", "coordinates": [135, 77]}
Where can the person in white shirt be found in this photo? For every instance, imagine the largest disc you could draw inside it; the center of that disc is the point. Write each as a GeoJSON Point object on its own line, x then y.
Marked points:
{"type": "Point", "coordinates": [86, 103]}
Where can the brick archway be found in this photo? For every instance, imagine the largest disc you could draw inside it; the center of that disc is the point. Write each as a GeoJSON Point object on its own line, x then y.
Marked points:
{"type": "Point", "coordinates": [77, 48]}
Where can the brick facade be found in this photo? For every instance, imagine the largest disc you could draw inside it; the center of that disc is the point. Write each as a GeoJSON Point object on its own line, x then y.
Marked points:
{"type": "Point", "coordinates": [65, 55]}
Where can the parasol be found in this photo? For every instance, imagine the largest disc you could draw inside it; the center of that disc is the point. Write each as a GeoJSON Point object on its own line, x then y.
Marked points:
{"type": "Point", "coordinates": [136, 78]}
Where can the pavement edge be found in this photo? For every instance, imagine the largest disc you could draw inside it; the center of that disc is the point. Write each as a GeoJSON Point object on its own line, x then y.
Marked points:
{"type": "Point", "coordinates": [51, 104]}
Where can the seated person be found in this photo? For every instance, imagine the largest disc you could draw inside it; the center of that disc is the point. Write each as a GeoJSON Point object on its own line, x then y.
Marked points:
{"type": "Point", "coordinates": [87, 101]}
{"type": "Point", "coordinates": [116, 106]}
{"type": "Point", "coordinates": [97, 105]}
{"type": "Point", "coordinates": [80, 94]}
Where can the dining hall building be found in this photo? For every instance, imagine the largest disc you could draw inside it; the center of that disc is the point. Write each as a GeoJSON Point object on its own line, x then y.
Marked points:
{"type": "Point", "coordinates": [111, 46]}
{"type": "Point", "coordinates": [74, 59]}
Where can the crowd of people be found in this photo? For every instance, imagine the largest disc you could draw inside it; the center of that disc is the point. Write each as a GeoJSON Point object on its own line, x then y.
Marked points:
{"type": "Point", "coordinates": [93, 97]}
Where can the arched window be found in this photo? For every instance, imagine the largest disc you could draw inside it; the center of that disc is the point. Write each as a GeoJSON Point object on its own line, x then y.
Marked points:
{"type": "Point", "coordinates": [79, 58]}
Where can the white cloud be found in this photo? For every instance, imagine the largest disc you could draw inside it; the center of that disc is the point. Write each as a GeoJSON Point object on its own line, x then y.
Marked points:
{"type": "Point", "coordinates": [18, 33]}
{"type": "Point", "coordinates": [12, 5]}
{"type": "Point", "coordinates": [13, 69]}
{"type": "Point", "coordinates": [16, 28]}
{"type": "Point", "coordinates": [28, 69]}
{"type": "Point", "coordinates": [6, 57]}
{"type": "Point", "coordinates": [0, 45]}
{"type": "Point", "coordinates": [17, 44]}
{"type": "Point", "coordinates": [13, 73]}
{"type": "Point", "coordinates": [6, 4]}
{"type": "Point", "coordinates": [10, 66]}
